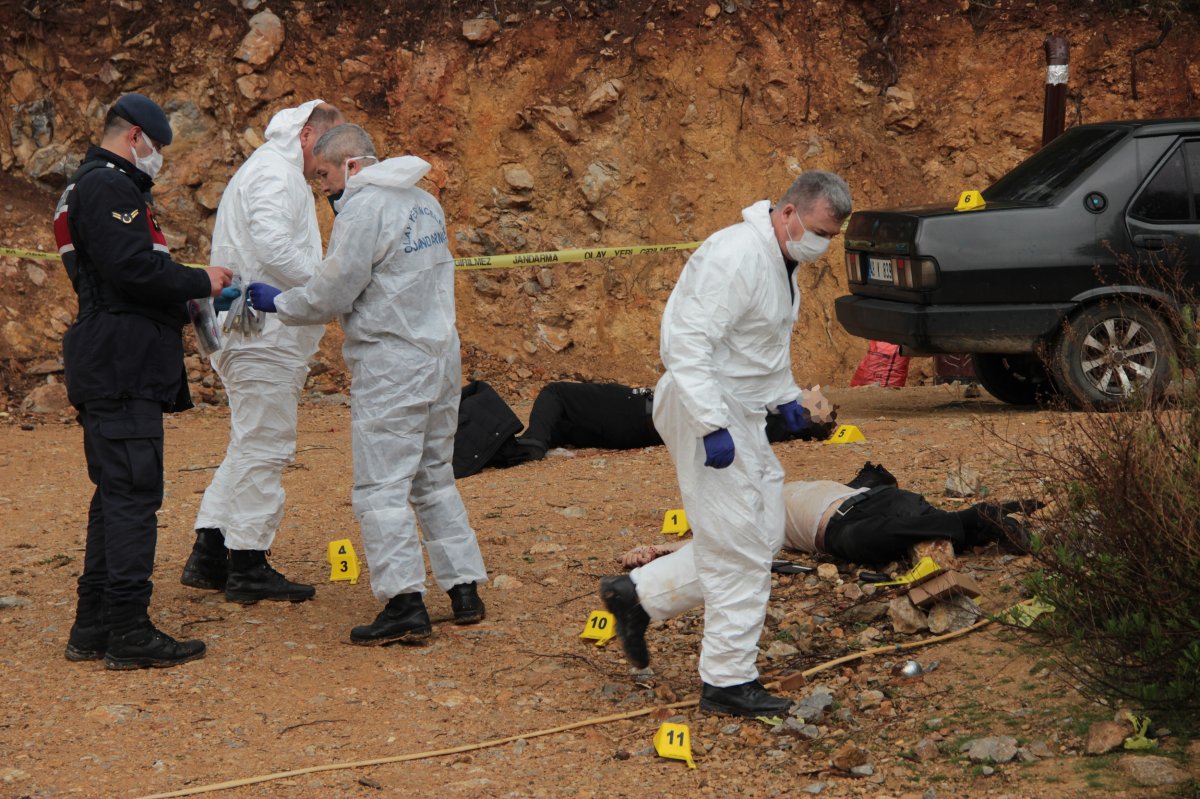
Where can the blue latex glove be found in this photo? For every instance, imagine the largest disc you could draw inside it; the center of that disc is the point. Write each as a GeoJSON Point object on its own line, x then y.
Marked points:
{"type": "Point", "coordinates": [795, 416]}
{"type": "Point", "coordinates": [718, 449]}
{"type": "Point", "coordinates": [262, 296]}
{"type": "Point", "coordinates": [225, 299]}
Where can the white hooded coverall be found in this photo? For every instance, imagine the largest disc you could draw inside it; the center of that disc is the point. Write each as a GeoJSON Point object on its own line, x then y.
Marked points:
{"type": "Point", "coordinates": [266, 230]}
{"type": "Point", "coordinates": [725, 342]}
{"type": "Point", "coordinates": [389, 274]}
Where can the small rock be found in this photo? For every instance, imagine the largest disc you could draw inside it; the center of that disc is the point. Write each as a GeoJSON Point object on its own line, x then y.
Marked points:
{"type": "Point", "coordinates": [1152, 770]}
{"type": "Point", "coordinates": [563, 120]}
{"type": "Point", "coordinates": [504, 582]}
{"type": "Point", "coordinates": [731, 729]}
{"type": "Point", "coordinates": [209, 194]}
{"type": "Point", "coordinates": [573, 512]}
{"type": "Point", "coordinates": [906, 617]}
{"type": "Point", "coordinates": [987, 771]}
{"type": "Point", "coordinates": [36, 275]}
{"type": "Point", "coordinates": [869, 699]}
{"type": "Point", "coordinates": [925, 750]}
{"type": "Point", "coordinates": [712, 11]}
{"type": "Point", "coordinates": [263, 40]}
{"type": "Point", "coordinates": [13, 601]}
{"type": "Point", "coordinates": [1105, 736]}
{"type": "Point", "coordinates": [556, 338]}
{"type": "Point", "coordinates": [996, 749]}
{"type": "Point", "coordinates": [865, 770]}
{"type": "Point", "coordinates": [813, 706]}
{"type": "Point", "coordinates": [518, 177]}
{"type": "Point", "coordinates": [781, 649]}
{"type": "Point", "coordinates": [953, 614]}
{"type": "Point", "coordinates": [827, 572]}
{"type": "Point", "coordinates": [480, 31]}
{"type": "Point", "coordinates": [486, 286]}
{"type": "Point", "coordinates": [545, 548]}
{"type": "Point", "coordinates": [963, 482]}
{"type": "Point", "coordinates": [50, 398]}
{"type": "Point", "coordinates": [848, 756]}
{"type": "Point", "coordinates": [47, 367]}
{"type": "Point", "coordinates": [604, 96]}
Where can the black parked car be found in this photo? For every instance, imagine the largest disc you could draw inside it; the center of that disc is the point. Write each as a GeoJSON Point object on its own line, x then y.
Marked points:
{"type": "Point", "coordinates": [1039, 284]}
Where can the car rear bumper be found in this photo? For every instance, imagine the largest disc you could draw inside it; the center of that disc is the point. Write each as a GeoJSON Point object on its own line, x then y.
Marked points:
{"type": "Point", "coordinates": [933, 329]}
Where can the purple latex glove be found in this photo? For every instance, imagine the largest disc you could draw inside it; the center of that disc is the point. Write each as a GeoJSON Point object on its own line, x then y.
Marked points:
{"type": "Point", "coordinates": [262, 296]}
{"type": "Point", "coordinates": [718, 449]}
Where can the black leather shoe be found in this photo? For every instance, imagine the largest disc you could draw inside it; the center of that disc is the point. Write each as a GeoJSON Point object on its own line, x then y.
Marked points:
{"type": "Point", "coordinates": [619, 595]}
{"type": "Point", "coordinates": [404, 620]}
{"type": "Point", "coordinates": [146, 647]}
{"type": "Point", "coordinates": [251, 578]}
{"type": "Point", "coordinates": [208, 565]}
{"type": "Point", "coordinates": [749, 700]}
{"type": "Point", "coordinates": [87, 642]}
{"type": "Point", "coordinates": [468, 607]}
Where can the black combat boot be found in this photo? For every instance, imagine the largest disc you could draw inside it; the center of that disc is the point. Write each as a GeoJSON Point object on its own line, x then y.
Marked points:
{"type": "Point", "coordinates": [619, 595]}
{"type": "Point", "coordinates": [468, 607]}
{"type": "Point", "coordinates": [403, 620]}
{"type": "Point", "coordinates": [251, 578]}
{"type": "Point", "coordinates": [135, 643]}
{"type": "Point", "coordinates": [89, 633]}
{"type": "Point", "coordinates": [208, 565]}
{"type": "Point", "coordinates": [749, 700]}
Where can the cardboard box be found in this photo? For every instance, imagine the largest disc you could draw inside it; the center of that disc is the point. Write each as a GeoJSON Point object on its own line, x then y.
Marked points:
{"type": "Point", "coordinates": [943, 586]}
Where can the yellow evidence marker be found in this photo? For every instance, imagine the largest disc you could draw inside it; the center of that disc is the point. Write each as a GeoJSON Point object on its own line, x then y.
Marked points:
{"type": "Point", "coordinates": [600, 627]}
{"type": "Point", "coordinates": [674, 742]}
{"type": "Point", "coordinates": [970, 201]}
{"type": "Point", "coordinates": [926, 567]}
{"type": "Point", "coordinates": [343, 563]}
{"type": "Point", "coordinates": [675, 522]}
{"type": "Point", "coordinates": [846, 434]}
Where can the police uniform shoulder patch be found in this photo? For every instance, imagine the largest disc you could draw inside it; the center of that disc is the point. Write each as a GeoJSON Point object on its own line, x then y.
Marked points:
{"type": "Point", "coordinates": [125, 217]}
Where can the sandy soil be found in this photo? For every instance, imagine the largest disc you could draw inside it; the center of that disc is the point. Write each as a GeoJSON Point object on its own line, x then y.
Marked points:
{"type": "Point", "coordinates": [282, 689]}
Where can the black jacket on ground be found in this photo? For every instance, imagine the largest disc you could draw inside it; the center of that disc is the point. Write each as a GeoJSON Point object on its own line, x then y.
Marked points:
{"type": "Point", "coordinates": [485, 424]}
{"type": "Point", "coordinates": [126, 341]}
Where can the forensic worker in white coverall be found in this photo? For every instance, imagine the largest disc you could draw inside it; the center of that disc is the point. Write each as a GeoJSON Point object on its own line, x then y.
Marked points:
{"type": "Point", "coordinates": [389, 275]}
{"type": "Point", "coordinates": [725, 343]}
{"type": "Point", "coordinates": [266, 230]}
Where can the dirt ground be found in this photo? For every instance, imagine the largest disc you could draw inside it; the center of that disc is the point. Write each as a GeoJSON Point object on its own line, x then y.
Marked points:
{"type": "Point", "coordinates": [282, 689]}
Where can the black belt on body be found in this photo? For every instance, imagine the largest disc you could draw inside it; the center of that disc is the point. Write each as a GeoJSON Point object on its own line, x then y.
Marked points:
{"type": "Point", "coordinates": [854, 500]}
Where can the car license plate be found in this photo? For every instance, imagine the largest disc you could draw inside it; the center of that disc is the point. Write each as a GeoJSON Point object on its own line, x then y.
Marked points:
{"type": "Point", "coordinates": [880, 269]}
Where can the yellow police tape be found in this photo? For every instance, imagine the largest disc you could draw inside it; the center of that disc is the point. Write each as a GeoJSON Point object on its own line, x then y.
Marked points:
{"type": "Point", "coordinates": [479, 261]}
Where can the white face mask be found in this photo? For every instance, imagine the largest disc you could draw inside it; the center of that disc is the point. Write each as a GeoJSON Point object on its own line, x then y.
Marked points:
{"type": "Point", "coordinates": [150, 164]}
{"type": "Point", "coordinates": [810, 247]}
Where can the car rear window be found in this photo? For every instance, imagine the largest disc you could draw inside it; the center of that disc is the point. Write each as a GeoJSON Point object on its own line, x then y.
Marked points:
{"type": "Point", "coordinates": [1040, 178]}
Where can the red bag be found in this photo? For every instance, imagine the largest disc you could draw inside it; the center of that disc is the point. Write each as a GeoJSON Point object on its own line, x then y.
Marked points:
{"type": "Point", "coordinates": [883, 364]}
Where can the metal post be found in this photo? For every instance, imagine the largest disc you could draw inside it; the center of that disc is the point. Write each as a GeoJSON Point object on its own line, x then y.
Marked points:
{"type": "Point", "coordinates": [1054, 114]}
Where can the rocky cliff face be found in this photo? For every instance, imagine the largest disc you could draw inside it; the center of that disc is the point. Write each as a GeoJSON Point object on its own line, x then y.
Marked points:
{"type": "Point", "coordinates": [556, 125]}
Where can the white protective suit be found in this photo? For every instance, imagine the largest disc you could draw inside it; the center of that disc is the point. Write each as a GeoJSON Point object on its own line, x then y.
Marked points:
{"type": "Point", "coordinates": [670, 585]}
{"type": "Point", "coordinates": [267, 231]}
{"type": "Point", "coordinates": [389, 274]}
{"type": "Point", "coordinates": [725, 344]}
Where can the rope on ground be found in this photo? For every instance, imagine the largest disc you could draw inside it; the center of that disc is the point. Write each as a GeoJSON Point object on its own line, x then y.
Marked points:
{"type": "Point", "coordinates": [220, 786]}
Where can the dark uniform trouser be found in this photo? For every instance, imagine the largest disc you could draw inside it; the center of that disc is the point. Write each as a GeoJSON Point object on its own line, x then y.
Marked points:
{"type": "Point", "coordinates": [882, 527]}
{"type": "Point", "coordinates": [123, 444]}
{"type": "Point", "coordinates": [603, 415]}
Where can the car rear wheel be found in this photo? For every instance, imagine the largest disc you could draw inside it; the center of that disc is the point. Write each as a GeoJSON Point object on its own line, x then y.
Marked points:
{"type": "Point", "coordinates": [1109, 353]}
{"type": "Point", "coordinates": [1018, 378]}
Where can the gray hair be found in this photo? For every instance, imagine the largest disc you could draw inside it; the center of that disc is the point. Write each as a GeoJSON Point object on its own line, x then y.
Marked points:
{"type": "Point", "coordinates": [342, 142]}
{"type": "Point", "coordinates": [815, 185]}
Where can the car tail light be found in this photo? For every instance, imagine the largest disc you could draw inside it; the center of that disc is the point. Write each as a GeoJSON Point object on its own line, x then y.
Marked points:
{"type": "Point", "coordinates": [908, 273]}
{"type": "Point", "coordinates": [854, 273]}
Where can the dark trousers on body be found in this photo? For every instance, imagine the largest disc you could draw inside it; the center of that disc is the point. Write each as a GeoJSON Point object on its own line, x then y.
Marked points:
{"type": "Point", "coordinates": [123, 444]}
{"type": "Point", "coordinates": [883, 526]}
{"type": "Point", "coordinates": [603, 415]}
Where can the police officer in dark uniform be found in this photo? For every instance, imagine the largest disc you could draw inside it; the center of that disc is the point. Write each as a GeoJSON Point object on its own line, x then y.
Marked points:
{"type": "Point", "coordinates": [124, 368]}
